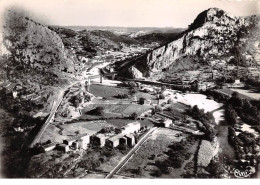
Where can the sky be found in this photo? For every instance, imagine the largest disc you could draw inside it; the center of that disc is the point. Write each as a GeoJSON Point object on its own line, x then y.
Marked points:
{"type": "Point", "coordinates": [127, 13]}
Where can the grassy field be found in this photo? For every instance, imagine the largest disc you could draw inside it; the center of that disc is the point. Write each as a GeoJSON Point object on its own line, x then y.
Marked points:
{"type": "Point", "coordinates": [146, 96]}
{"type": "Point", "coordinates": [110, 111]}
{"type": "Point", "coordinates": [122, 122]}
{"type": "Point", "coordinates": [113, 110]}
{"type": "Point", "coordinates": [107, 91]}
{"type": "Point", "coordinates": [155, 149]}
{"type": "Point", "coordinates": [139, 109]}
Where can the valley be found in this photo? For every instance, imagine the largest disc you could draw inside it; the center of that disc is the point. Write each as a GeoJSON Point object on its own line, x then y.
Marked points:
{"type": "Point", "coordinates": [113, 102]}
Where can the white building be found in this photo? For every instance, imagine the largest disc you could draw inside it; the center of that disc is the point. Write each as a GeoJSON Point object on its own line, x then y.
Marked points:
{"type": "Point", "coordinates": [131, 127]}
{"type": "Point", "coordinates": [83, 142]}
{"type": "Point", "coordinates": [167, 122]}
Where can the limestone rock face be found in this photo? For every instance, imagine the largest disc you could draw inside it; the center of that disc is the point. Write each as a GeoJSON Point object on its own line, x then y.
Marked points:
{"type": "Point", "coordinates": [214, 35]}
{"type": "Point", "coordinates": [35, 46]}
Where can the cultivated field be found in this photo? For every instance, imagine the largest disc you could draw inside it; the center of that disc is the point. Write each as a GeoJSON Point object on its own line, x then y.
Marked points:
{"type": "Point", "coordinates": [154, 151]}
{"type": "Point", "coordinates": [139, 109]}
{"type": "Point", "coordinates": [107, 91]}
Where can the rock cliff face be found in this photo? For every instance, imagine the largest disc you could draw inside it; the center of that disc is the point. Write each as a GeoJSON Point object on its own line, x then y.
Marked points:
{"type": "Point", "coordinates": [35, 46]}
{"type": "Point", "coordinates": [214, 37]}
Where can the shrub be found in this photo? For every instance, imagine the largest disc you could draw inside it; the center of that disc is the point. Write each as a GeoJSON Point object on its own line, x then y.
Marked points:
{"type": "Point", "coordinates": [122, 96]}
{"type": "Point", "coordinates": [98, 110]}
{"type": "Point", "coordinates": [163, 88]}
{"type": "Point", "coordinates": [157, 108]}
{"type": "Point", "coordinates": [134, 116]}
{"type": "Point", "coordinates": [157, 173]}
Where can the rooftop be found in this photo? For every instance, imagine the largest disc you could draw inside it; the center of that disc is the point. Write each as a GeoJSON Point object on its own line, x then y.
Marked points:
{"type": "Point", "coordinates": [116, 137]}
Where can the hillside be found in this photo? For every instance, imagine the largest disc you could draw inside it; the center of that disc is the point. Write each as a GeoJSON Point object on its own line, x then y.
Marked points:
{"type": "Point", "coordinates": [33, 63]}
{"type": "Point", "coordinates": [89, 43]}
{"type": "Point", "coordinates": [214, 40]}
{"type": "Point", "coordinates": [160, 37]}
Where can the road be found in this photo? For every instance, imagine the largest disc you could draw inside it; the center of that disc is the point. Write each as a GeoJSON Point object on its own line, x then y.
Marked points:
{"type": "Point", "coordinates": [56, 104]}
{"type": "Point", "coordinates": [130, 154]}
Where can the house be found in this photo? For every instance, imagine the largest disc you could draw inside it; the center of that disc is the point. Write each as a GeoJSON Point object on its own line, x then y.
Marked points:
{"type": "Point", "coordinates": [131, 127]}
{"type": "Point", "coordinates": [48, 147]}
{"type": "Point", "coordinates": [83, 142]}
{"type": "Point", "coordinates": [69, 142]}
{"type": "Point", "coordinates": [130, 139]}
{"type": "Point", "coordinates": [123, 140]}
{"type": "Point", "coordinates": [99, 139]}
{"type": "Point", "coordinates": [15, 94]}
{"type": "Point", "coordinates": [167, 122]}
{"type": "Point", "coordinates": [114, 141]}
{"type": "Point", "coordinates": [62, 147]}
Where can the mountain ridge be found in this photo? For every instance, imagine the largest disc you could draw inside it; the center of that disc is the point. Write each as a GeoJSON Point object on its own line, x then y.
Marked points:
{"type": "Point", "coordinates": [214, 35]}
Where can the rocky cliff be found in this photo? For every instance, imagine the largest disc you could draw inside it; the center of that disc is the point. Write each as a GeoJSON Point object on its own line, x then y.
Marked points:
{"type": "Point", "coordinates": [214, 40]}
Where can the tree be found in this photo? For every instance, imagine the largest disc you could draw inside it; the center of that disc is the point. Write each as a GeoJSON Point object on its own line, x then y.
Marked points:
{"type": "Point", "coordinates": [170, 101]}
{"type": "Point", "coordinates": [141, 100]}
{"type": "Point", "coordinates": [133, 90]}
{"type": "Point", "coordinates": [157, 108]}
{"type": "Point", "coordinates": [235, 100]}
{"type": "Point", "coordinates": [76, 103]}
{"type": "Point", "coordinates": [161, 96]}
{"type": "Point", "coordinates": [230, 115]}
{"type": "Point", "coordinates": [195, 86]}
{"type": "Point", "coordinates": [99, 110]}
{"type": "Point", "coordinates": [132, 84]}
{"type": "Point", "coordinates": [134, 116]}
{"type": "Point", "coordinates": [163, 88]}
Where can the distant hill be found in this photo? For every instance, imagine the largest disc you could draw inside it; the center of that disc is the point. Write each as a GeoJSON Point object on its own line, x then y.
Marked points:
{"type": "Point", "coordinates": [160, 38]}
{"type": "Point", "coordinates": [91, 42]}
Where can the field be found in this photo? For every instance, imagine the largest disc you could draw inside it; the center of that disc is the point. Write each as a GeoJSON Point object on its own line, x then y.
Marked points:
{"type": "Point", "coordinates": [144, 163]}
{"type": "Point", "coordinates": [113, 110]}
{"type": "Point", "coordinates": [146, 96]}
{"type": "Point", "coordinates": [248, 93]}
{"type": "Point", "coordinates": [139, 109]}
{"type": "Point", "coordinates": [122, 122]}
{"type": "Point", "coordinates": [242, 93]}
{"type": "Point", "coordinates": [107, 91]}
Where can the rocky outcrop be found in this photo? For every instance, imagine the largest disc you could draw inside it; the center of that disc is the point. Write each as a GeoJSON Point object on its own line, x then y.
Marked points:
{"type": "Point", "coordinates": [134, 73]}
{"type": "Point", "coordinates": [35, 46]}
{"type": "Point", "coordinates": [214, 35]}
{"type": "Point", "coordinates": [207, 151]}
